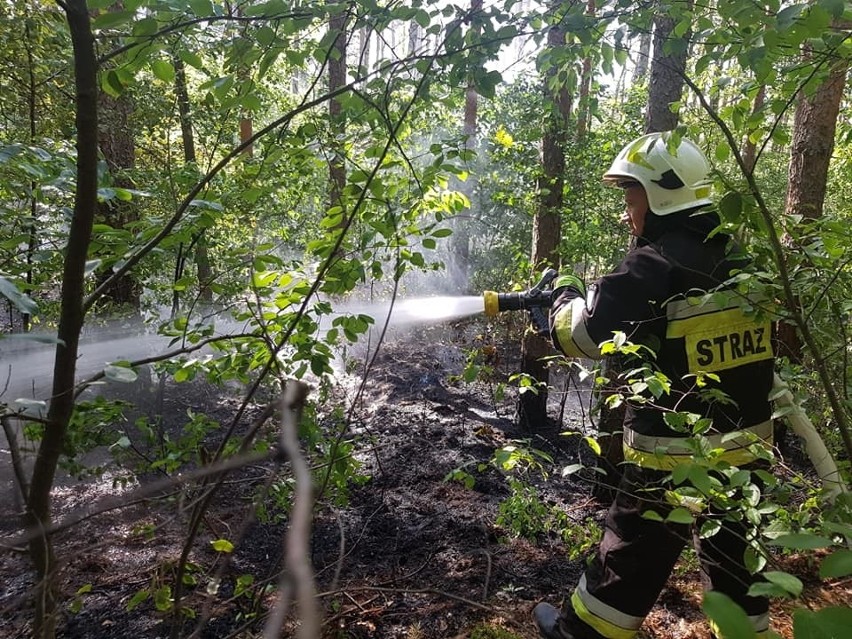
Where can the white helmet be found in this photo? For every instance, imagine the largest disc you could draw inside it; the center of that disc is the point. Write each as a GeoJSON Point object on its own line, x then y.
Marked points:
{"type": "Point", "coordinates": [672, 182]}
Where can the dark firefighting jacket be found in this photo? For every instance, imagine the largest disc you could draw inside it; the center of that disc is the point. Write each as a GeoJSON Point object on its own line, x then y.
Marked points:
{"type": "Point", "coordinates": [670, 293]}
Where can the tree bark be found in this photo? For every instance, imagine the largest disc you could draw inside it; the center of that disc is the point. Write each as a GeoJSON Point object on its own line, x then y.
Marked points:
{"type": "Point", "coordinates": [643, 58]}
{"type": "Point", "coordinates": [583, 106]}
{"type": "Point", "coordinates": [71, 318]}
{"type": "Point", "coordinates": [532, 407]}
{"type": "Point", "coordinates": [119, 151]}
{"type": "Point", "coordinates": [667, 70]}
{"type": "Point", "coordinates": [814, 127]}
{"type": "Point", "coordinates": [204, 270]}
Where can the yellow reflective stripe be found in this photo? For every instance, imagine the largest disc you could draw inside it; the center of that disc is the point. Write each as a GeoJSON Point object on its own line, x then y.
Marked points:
{"type": "Point", "coordinates": [677, 445]}
{"type": "Point", "coordinates": [571, 331]}
{"type": "Point", "coordinates": [665, 453]}
{"type": "Point", "coordinates": [605, 628]}
{"type": "Point", "coordinates": [653, 461]}
{"type": "Point", "coordinates": [707, 321]}
{"type": "Point", "coordinates": [701, 305]}
{"type": "Point", "coordinates": [692, 305]}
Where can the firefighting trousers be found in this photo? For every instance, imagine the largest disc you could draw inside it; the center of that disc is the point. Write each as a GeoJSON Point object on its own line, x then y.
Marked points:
{"type": "Point", "coordinates": [635, 559]}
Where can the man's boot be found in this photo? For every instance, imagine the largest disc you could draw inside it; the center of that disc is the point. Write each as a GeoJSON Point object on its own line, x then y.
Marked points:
{"type": "Point", "coordinates": [547, 619]}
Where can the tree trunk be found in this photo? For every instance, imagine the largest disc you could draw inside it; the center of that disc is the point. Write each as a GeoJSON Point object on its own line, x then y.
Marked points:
{"type": "Point", "coordinates": [364, 47]}
{"type": "Point", "coordinates": [184, 111]}
{"type": "Point", "coordinates": [70, 321]}
{"type": "Point", "coordinates": [583, 106]}
{"type": "Point", "coordinates": [204, 270]}
{"type": "Point", "coordinates": [643, 58]}
{"type": "Point", "coordinates": [118, 148]}
{"type": "Point", "coordinates": [814, 128]}
{"type": "Point", "coordinates": [667, 70]}
{"type": "Point", "coordinates": [532, 407]}
{"type": "Point", "coordinates": [119, 151]}
{"type": "Point", "coordinates": [415, 36]}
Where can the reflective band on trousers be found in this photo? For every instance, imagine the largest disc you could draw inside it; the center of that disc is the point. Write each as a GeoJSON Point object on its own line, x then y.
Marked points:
{"type": "Point", "coordinates": [605, 619]}
{"type": "Point", "coordinates": [664, 453]}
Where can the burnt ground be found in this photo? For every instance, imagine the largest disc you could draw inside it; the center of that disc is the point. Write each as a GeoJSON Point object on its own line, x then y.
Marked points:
{"type": "Point", "coordinates": [408, 553]}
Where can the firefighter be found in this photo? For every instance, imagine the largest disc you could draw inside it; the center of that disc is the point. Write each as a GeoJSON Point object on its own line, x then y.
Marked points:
{"type": "Point", "coordinates": [659, 296]}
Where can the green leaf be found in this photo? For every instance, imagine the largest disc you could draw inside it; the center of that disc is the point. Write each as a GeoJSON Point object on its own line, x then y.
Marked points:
{"type": "Point", "coordinates": [729, 618]}
{"type": "Point", "coordinates": [593, 444]}
{"type": "Point", "coordinates": [486, 84]}
{"type": "Point", "coordinates": [754, 560]}
{"type": "Point", "coordinates": [112, 19]}
{"type": "Point", "coordinates": [22, 301]}
{"type": "Point", "coordinates": [137, 599]}
{"type": "Point", "coordinates": [710, 528]}
{"type": "Point", "coordinates": [834, 7]}
{"type": "Point", "coordinates": [222, 545]}
{"type": "Point", "coordinates": [828, 623]}
{"type": "Point", "coordinates": [787, 583]}
{"type": "Point", "coordinates": [700, 479]}
{"type": "Point", "coordinates": [163, 70]}
{"type": "Point", "coordinates": [422, 18]}
{"type": "Point", "coordinates": [788, 16]}
{"type": "Point", "coordinates": [122, 442]}
{"type": "Point", "coordinates": [837, 565]}
{"type": "Point", "coordinates": [801, 541]}
{"type": "Point", "coordinates": [202, 8]}
{"type": "Point", "coordinates": [680, 516]}
{"type": "Point", "coordinates": [119, 373]}
{"type": "Point", "coordinates": [723, 151]}
{"type": "Point", "coordinates": [731, 207]}
{"type": "Point", "coordinates": [192, 59]}
{"type": "Point", "coordinates": [111, 84]}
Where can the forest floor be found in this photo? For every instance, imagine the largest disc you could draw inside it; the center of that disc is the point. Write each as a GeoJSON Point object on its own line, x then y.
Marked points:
{"type": "Point", "coordinates": [411, 553]}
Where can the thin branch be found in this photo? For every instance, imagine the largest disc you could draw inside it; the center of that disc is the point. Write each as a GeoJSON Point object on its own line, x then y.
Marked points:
{"type": "Point", "coordinates": [298, 574]}
{"type": "Point", "coordinates": [15, 454]}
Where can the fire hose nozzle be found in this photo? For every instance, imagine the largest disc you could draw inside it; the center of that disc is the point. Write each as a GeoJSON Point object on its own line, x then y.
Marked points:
{"type": "Point", "coordinates": [536, 297]}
